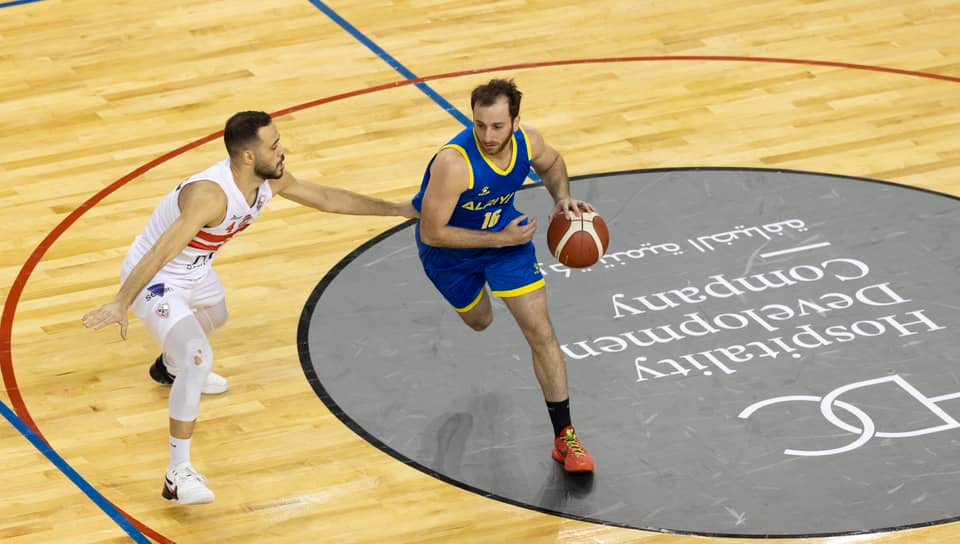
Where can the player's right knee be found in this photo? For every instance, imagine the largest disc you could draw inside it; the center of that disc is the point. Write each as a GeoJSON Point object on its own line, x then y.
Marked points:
{"type": "Point", "coordinates": [480, 322]}
{"type": "Point", "coordinates": [196, 358]}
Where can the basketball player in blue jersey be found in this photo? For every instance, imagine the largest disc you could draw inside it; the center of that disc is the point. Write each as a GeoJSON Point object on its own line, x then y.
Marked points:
{"type": "Point", "coordinates": [470, 235]}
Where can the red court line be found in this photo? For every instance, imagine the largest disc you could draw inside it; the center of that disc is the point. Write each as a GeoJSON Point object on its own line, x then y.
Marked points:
{"type": "Point", "coordinates": [705, 58]}
{"type": "Point", "coordinates": [13, 297]}
{"type": "Point", "coordinates": [16, 289]}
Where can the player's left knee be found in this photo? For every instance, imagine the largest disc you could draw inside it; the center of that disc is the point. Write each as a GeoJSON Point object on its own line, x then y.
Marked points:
{"type": "Point", "coordinates": [220, 319]}
{"type": "Point", "coordinates": [217, 315]}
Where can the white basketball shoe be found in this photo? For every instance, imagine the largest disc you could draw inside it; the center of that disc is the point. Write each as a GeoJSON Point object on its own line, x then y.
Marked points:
{"type": "Point", "coordinates": [164, 375]}
{"type": "Point", "coordinates": [186, 486]}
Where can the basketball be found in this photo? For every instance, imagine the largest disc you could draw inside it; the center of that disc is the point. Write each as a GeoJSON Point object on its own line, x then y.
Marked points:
{"type": "Point", "coordinates": [578, 243]}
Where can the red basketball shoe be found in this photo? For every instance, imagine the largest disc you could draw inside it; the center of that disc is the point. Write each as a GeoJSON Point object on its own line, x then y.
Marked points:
{"type": "Point", "coordinates": [568, 450]}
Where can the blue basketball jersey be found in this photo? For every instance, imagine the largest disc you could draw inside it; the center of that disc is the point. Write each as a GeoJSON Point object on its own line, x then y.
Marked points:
{"type": "Point", "coordinates": [460, 274]}
{"type": "Point", "coordinates": [487, 204]}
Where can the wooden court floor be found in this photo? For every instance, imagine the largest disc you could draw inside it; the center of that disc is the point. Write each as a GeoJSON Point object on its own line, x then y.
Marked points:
{"type": "Point", "coordinates": [112, 101]}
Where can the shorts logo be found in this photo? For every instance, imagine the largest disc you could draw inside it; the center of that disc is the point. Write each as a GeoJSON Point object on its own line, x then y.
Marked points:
{"type": "Point", "coordinates": [157, 290]}
{"type": "Point", "coordinates": [163, 310]}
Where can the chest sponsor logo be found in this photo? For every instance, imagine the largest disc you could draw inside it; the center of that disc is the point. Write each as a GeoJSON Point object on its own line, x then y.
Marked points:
{"type": "Point", "coordinates": [475, 205]}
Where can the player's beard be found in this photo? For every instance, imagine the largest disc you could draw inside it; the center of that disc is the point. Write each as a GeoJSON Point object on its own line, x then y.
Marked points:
{"type": "Point", "coordinates": [503, 146]}
{"type": "Point", "coordinates": [498, 149]}
{"type": "Point", "coordinates": [275, 172]}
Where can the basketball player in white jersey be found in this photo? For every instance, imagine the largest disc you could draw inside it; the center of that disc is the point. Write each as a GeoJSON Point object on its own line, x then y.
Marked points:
{"type": "Point", "coordinates": [169, 283]}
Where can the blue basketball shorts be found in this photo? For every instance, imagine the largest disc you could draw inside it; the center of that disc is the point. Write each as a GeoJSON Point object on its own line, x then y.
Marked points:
{"type": "Point", "coordinates": [460, 275]}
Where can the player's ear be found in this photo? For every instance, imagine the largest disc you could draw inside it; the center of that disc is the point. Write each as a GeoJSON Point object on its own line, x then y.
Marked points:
{"type": "Point", "coordinates": [516, 123]}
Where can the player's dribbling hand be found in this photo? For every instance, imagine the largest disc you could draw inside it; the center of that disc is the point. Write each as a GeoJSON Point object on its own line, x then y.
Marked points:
{"type": "Point", "coordinates": [519, 231]}
{"type": "Point", "coordinates": [113, 312]}
{"type": "Point", "coordinates": [571, 207]}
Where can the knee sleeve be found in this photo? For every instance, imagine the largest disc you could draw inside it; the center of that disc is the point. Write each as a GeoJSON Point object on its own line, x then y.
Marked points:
{"type": "Point", "coordinates": [190, 350]}
{"type": "Point", "coordinates": [196, 356]}
{"type": "Point", "coordinates": [213, 317]}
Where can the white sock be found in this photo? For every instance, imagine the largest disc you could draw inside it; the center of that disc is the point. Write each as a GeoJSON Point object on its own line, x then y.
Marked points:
{"type": "Point", "coordinates": [179, 451]}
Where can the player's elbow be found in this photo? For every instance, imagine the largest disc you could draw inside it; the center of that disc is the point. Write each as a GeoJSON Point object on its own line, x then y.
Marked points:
{"type": "Point", "coordinates": [429, 236]}
{"type": "Point", "coordinates": [432, 232]}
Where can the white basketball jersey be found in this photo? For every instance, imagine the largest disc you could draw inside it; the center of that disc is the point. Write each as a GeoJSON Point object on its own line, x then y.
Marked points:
{"type": "Point", "coordinates": [195, 260]}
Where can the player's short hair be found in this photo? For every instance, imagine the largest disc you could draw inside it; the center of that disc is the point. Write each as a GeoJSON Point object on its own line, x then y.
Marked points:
{"type": "Point", "coordinates": [488, 93]}
{"type": "Point", "coordinates": [241, 130]}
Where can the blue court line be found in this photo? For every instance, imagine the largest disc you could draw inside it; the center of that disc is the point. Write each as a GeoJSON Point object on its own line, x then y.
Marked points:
{"type": "Point", "coordinates": [16, 3]}
{"type": "Point", "coordinates": [403, 70]}
{"type": "Point", "coordinates": [65, 468]}
{"type": "Point", "coordinates": [393, 62]}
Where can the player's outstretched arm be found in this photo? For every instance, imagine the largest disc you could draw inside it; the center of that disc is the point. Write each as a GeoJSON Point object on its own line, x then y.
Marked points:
{"type": "Point", "coordinates": [449, 178]}
{"type": "Point", "coordinates": [201, 203]}
{"type": "Point", "coordinates": [549, 164]}
{"type": "Point", "coordinates": [335, 200]}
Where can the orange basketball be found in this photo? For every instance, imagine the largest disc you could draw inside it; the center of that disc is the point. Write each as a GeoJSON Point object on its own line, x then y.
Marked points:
{"type": "Point", "coordinates": [578, 243]}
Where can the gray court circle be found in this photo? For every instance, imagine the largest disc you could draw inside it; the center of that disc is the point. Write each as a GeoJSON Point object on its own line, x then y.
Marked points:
{"type": "Point", "coordinates": [724, 289]}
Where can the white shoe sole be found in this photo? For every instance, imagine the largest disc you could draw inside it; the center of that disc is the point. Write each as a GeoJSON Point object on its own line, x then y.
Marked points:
{"type": "Point", "coordinates": [213, 389]}
{"type": "Point", "coordinates": [196, 500]}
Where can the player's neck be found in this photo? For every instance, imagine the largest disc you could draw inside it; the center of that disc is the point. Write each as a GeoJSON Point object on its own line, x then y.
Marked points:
{"type": "Point", "coordinates": [502, 158]}
{"type": "Point", "coordinates": [245, 179]}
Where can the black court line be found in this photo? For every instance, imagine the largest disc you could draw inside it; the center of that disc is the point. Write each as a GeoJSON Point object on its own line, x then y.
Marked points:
{"type": "Point", "coordinates": [306, 363]}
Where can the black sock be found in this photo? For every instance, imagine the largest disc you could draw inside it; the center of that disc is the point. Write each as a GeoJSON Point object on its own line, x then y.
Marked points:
{"type": "Point", "coordinates": [559, 415]}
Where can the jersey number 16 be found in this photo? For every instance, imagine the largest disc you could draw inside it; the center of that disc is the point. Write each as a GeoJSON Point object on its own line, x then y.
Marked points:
{"type": "Point", "coordinates": [490, 219]}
